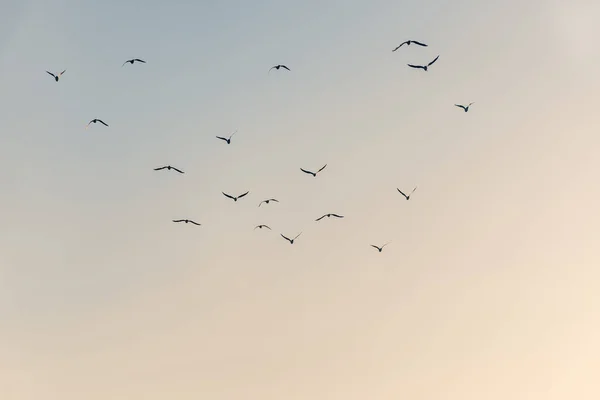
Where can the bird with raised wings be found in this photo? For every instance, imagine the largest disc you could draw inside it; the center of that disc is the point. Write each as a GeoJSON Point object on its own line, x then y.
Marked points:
{"type": "Point", "coordinates": [408, 43]}
{"type": "Point", "coordinates": [268, 201]}
{"type": "Point", "coordinates": [329, 215]}
{"type": "Point", "coordinates": [290, 240]}
{"type": "Point", "coordinates": [407, 197]}
{"type": "Point", "coordinates": [168, 167]}
{"type": "Point", "coordinates": [262, 226]}
{"type": "Point", "coordinates": [313, 173]}
{"type": "Point", "coordinates": [379, 248]}
{"type": "Point", "coordinates": [228, 140]}
{"type": "Point", "coordinates": [186, 221]}
{"type": "Point", "coordinates": [279, 66]}
{"type": "Point", "coordinates": [57, 75]}
{"type": "Point", "coordinates": [234, 198]}
{"type": "Point", "coordinates": [466, 108]}
{"type": "Point", "coordinates": [424, 67]}
{"type": "Point", "coordinates": [96, 120]}
{"type": "Point", "coordinates": [133, 60]}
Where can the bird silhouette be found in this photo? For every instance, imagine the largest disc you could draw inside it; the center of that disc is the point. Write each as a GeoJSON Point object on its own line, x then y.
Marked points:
{"type": "Point", "coordinates": [313, 173]}
{"type": "Point", "coordinates": [329, 215]}
{"type": "Point", "coordinates": [56, 76]}
{"type": "Point", "coordinates": [279, 66]}
{"type": "Point", "coordinates": [268, 201]}
{"type": "Point", "coordinates": [133, 60]}
{"type": "Point", "coordinates": [262, 226]}
{"type": "Point", "coordinates": [463, 107]}
{"type": "Point", "coordinates": [379, 248]}
{"type": "Point", "coordinates": [424, 67]}
{"type": "Point", "coordinates": [168, 167]}
{"type": "Point", "coordinates": [407, 197]}
{"type": "Point", "coordinates": [228, 140]}
{"type": "Point", "coordinates": [290, 240]}
{"type": "Point", "coordinates": [186, 221]}
{"type": "Point", "coordinates": [408, 43]}
{"type": "Point", "coordinates": [235, 198]}
{"type": "Point", "coordinates": [94, 121]}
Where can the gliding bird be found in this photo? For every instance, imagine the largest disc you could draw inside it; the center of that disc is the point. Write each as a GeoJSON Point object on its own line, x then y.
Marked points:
{"type": "Point", "coordinates": [267, 201]}
{"type": "Point", "coordinates": [262, 226]}
{"type": "Point", "coordinates": [186, 221]}
{"type": "Point", "coordinates": [291, 240]}
{"type": "Point", "coordinates": [408, 43]}
{"type": "Point", "coordinates": [313, 173]}
{"type": "Point", "coordinates": [228, 140]}
{"type": "Point", "coordinates": [463, 107]}
{"type": "Point", "coordinates": [424, 67]}
{"type": "Point", "coordinates": [279, 66]}
{"type": "Point", "coordinates": [379, 248]}
{"type": "Point", "coordinates": [56, 76]}
{"type": "Point", "coordinates": [133, 60]}
{"type": "Point", "coordinates": [407, 197]}
{"type": "Point", "coordinates": [329, 215]}
{"type": "Point", "coordinates": [168, 167]}
{"type": "Point", "coordinates": [235, 198]}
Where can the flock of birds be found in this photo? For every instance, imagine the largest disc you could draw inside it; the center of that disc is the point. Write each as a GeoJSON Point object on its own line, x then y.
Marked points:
{"type": "Point", "coordinates": [228, 141]}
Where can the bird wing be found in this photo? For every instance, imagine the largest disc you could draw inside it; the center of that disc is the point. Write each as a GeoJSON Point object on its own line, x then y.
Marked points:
{"type": "Point", "coordinates": [260, 204]}
{"type": "Point", "coordinates": [102, 122]}
{"type": "Point", "coordinates": [298, 235]}
{"type": "Point", "coordinates": [318, 219]}
{"type": "Point", "coordinates": [242, 195]}
{"type": "Point", "coordinates": [272, 68]}
{"type": "Point", "coordinates": [62, 72]}
{"type": "Point", "coordinates": [125, 62]}
{"type": "Point", "coordinates": [51, 73]}
{"type": "Point", "coordinates": [233, 134]}
{"type": "Point", "coordinates": [178, 220]}
{"type": "Point", "coordinates": [178, 170]}
{"type": "Point", "coordinates": [322, 168]}
{"type": "Point", "coordinates": [222, 138]}
{"type": "Point", "coordinates": [415, 66]}
{"type": "Point", "coordinates": [463, 107]}
{"type": "Point", "coordinates": [385, 245]}
{"type": "Point", "coordinates": [266, 226]}
{"type": "Point", "coordinates": [288, 239]}
{"type": "Point", "coordinates": [471, 103]}
{"type": "Point", "coordinates": [307, 172]}
{"type": "Point", "coordinates": [419, 43]}
{"type": "Point", "coordinates": [142, 61]}
{"type": "Point", "coordinates": [159, 168]}
{"type": "Point", "coordinates": [375, 246]}
{"type": "Point", "coordinates": [283, 66]}
{"type": "Point", "coordinates": [195, 223]}
{"type": "Point", "coordinates": [434, 60]}
{"type": "Point", "coordinates": [401, 192]}
{"type": "Point", "coordinates": [90, 122]}
{"type": "Point", "coordinates": [400, 45]}
{"type": "Point", "coordinates": [226, 195]}
{"type": "Point", "coordinates": [275, 200]}
{"type": "Point", "coordinates": [338, 216]}
{"type": "Point", "coordinates": [413, 190]}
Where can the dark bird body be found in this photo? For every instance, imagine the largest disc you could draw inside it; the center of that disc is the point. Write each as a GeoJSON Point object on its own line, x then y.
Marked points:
{"type": "Point", "coordinates": [186, 221]}
{"type": "Point", "coordinates": [408, 43]}
{"type": "Point", "coordinates": [228, 140]}
{"type": "Point", "coordinates": [466, 108]}
{"type": "Point", "coordinates": [262, 226]}
{"type": "Point", "coordinates": [379, 248]}
{"type": "Point", "coordinates": [329, 215]}
{"type": "Point", "coordinates": [133, 60]}
{"type": "Point", "coordinates": [56, 76]}
{"type": "Point", "coordinates": [268, 201]}
{"type": "Point", "coordinates": [279, 66]}
{"type": "Point", "coordinates": [168, 167]}
{"type": "Point", "coordinates": [314, 174]}
{"type": "Point", "coordinates": [291, 240]}
{"type": "Point", "coordinates": [424, 67]}
{"type": "Point", "coordinates": [235, 198]}
{"type": "Point", "coordinates": [407, 197]}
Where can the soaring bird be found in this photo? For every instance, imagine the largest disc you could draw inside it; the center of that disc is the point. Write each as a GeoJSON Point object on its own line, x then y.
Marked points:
{"type": "Point", "coordinates": [407, 197]}
{"type": "Point", "coordinates": [313, 173]}
{"type": "Point", "coordinates": [329, 215]}
{"type": "Point", "coordinates": [268, 201]}
{"type": "Point", "coordinates": [262, 226]}
{"type": "Point", "coordinates": [96, 120]}
{"type": "Point", "coordinates": [424, 67]}
{"type": "Point", "coordinates": [186, 221]}
{"type": "Point", "coordinates": [291, 240]}
{"type": "Point", "coordinates": [56, 76]}
{"type": "Point", "coordinates": [379, 248]}
{"type": "Point", "coordinates": [408, 43]}
{"type": "Point", "coordinates": [228, 140]}
{"type": "Point", "coordinates": [463, 107]}
{"type": "Point", "coordinates": [168, 167]}
{"type": "Point", "coordinates": [235, 198]}
{"type": "Point", "coordinates": [279, 66]}
{"type": "Point", "coordinates": [133, 60]}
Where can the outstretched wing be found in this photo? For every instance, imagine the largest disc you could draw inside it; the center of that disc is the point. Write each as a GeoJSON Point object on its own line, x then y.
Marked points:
{"type": "Point", "coordinates": [242, 195]}
{"type": "Point", "coordinates": [419, 43]}
{"type": "Point", "coordinates": [226, 195]}
{"type": "Point", "coordinates": [102, 122]}
{"type": "Point", "coordinates": [318, 219]}
{"type": "Point", "coordinates": [400, 45]}
{"type": "Point", "coordinates": [222, 138]}
{"type": "Point", "coordinates": [463, 107]}
{"type": "Point", "coordinates": [178, 170]}
{"type": "Point", "coordinates": [413, 190]}
{"type": "Point", "coordinates": [233, 134]}
{"type": "Point", "coordinates": [306, 172]}
{"type": "Point", "coordinates": [415, 66]}
{"type": "Point", "coordinates": [51, 73]}
{"type": "Point", "coordinates": [195, 223]}
{"type": "Point", "coordinates": [275, 200]}
{"type": "Point", "coordinates": [385, 245]}
{"type": "Point", "coordinates": [178, 220]}
{"type": "Point", "coordinates": [337, 216]}
{"type": "Point", "coordinates": [286, 238]}
{"type": "Point", "coordinates": [401, 192]}
{"type": "Point", "coordinates": [375, 246]}
{"type": "Point", "coordinates": [298, 235]}
{"type": "Point", "coordinates": [125, 62]}
{"type": "Point", "coordinates": [159, 168]}
{"type": "Point", "coordinates": [268, 227]}
{"type": "Point", "coordinates": [284, 67]}
{"type": "Point", "coordinates": [322, 168]}
{"type": "Point", "coordinates": [142, 61]}
{"type": "Point", "coordinates": [471, 103]}
{"type": "Point", "coordinates": [62, 72]}
{"type": "Point", "coordinates": [434, 60]}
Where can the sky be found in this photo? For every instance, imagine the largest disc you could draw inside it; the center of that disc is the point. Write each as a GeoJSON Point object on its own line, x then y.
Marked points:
{"type": "Point", "coordinates": [488, 289]}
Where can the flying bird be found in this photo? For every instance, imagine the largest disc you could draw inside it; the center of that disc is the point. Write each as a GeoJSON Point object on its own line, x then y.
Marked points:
{"type": "Point", "coordinates": [96, 120]}
{"type": "Point", "coordinates": [168, 167]}
{"type": "Point", "coordinates": [291, 240]}
{"type": "Point", "coordinates": [133, 60]}
{"type": "Point", "coordinates": [235, 198]}
{"type": "Point", "coordinates": [228, 140]}
{"type": "Point", "coordinates": [186, 221]}
{"type": "Point", "coordinates": [463, 107]}
{"type": "Point", "coordinates": [262, 226]}
{"type": "Point", "coordinates": [313, 173]}
{"type": "Point", "coordinates": [424, 67]}
{"type": "Point", "coordinates": [408, 43]}
{"type": "Point", "coordinates": [268, 201]}
{"type": "Point", "coordinates": [379, 248]}
{"type": "Point", "coordinates": [56, 76]}
{"type": "Point", "coordinates": [407, 197]}
{"type": "Point", "coordinates": [329, 215]}
{"type": "Point", "coordinates": [279, 66]}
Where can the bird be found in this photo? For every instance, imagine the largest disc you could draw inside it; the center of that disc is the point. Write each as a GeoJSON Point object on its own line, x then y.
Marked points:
{"type": "Point", "coordinates": [407, 197]}
{"type": "Point", "coordinates": [186, 221]}
{"type": "Point", "coordinates": [408, 43]}
{"type": "Point", "coordinates": [133, 60]}
{"type": "Point", "coordinates": [267, 201]}
{"type": "Point", "coordinates": [291, 240]}
{"type": "Point", "coordinates": [169, 168]}
{"type": "Point", "coordinates": [279, 66]}
{"type": "Point", "coordinates": [329, 215]}
{"type": "Point", "coordinates": [463, 107]}
{"type": "Point", "coordinates": [313, 173]}
{"type": "Point", "coordinates": [235, 198]}
{"type": "Point", "coordinates": [424, 67]}
{"type": "Point", "coordinates": [228, 140]}
{"type": "Point", "coordinates": [56, 76]}
{"type": "Point", "coordinates": [262, 226]}
{"type": "Point", "coordinates": [96, 120]}
{"type": "Point", "coordinates": [379, 248]}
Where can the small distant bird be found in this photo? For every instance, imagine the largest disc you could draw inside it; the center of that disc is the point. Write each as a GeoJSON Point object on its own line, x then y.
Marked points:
{"type": "Point", "coordinates": [168, 167]}
{"type": "Point", "coordinates": [291, 240]}
{"type": "Point", "coordinates": [56, 76]}
{"type": "Point", "coordinates": [279, 66]}
{"type": "Point", "coordinates": [186, 221]}
{"type": "Point", "coordinates": [261, 226]}
{"type": "Point", "coordinates": [407, 197]}
{"type": "Point", "coordinates": [463, 107]}
{"type": "Point", "coordinates": [133, 60]}
{"type": "Point", "coordinates": [96, 120]}
{"type": "Point", "coordinates": [228, 140]}
{"type": "Point", "coordinates": [313, 173]}
{"type": "Point", "coordinates": [408, 43]}
{"type": "Point", "coordinates": [379, 248]}
{"type": "Point", "coordinates": [268, 201]}
{"type": "Point", "coordinates": [235, 198]}
{"type": "Point", "coordinates": [424, 67]}
{"type": "Point", "coordinates": [329, 215]}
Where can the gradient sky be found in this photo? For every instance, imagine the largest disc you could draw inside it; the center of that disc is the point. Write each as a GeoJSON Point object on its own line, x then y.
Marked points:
{"type": "Point", "coordinates": [489, 289]}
